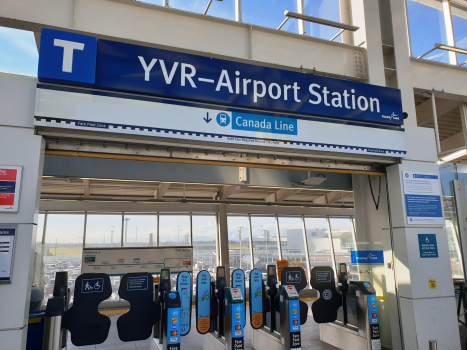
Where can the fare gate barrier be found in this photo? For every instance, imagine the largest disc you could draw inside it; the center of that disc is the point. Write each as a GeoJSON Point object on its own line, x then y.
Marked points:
{"type": "Point", "coordinates": [358, 297]}
{"type": "Point", "coordinates": [175, 309]}
{"type": "Point", "coordinates": [89, 327]}
{"type": "Point", "coordinates": [276, 312]}
{"type": "Point", "coordinates": [220, 311]}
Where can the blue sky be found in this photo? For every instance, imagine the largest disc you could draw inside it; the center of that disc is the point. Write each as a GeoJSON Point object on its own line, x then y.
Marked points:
{"type": "Point", "coordinates": [18, 51]}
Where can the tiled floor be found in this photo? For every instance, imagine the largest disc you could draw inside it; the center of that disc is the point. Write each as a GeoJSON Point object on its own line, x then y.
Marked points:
{"type": "Point", "coordinates": [194, 340]}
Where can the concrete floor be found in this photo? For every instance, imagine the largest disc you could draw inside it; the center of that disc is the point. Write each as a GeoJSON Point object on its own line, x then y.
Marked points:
{"type": "Point", "coordinates": [194, 340]}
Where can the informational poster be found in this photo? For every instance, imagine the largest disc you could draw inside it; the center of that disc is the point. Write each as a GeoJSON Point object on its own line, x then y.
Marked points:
{"type": "Point", "coordinates": [280, 266]}
{"type": "Point", "coordinates": [119, 261]}
{"type": "Point", "coordinates": [423, 198]}
{"type": "Point", "coordinates": [10, 183]}
{"type": "Point", "coordinates": [7, 245]}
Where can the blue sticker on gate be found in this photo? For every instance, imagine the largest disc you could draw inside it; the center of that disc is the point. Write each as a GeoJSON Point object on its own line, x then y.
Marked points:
{"type": "Point", "coordinates": [294, 315]}
{"type": "Point", "coordinates": [238, 320]}
{"type": "Point", "coordinates": [137, 283]}
{"type": "Point", "coordinates": [184, 289]}
{"type": "Point", "coordinates": [173, 325]}
{"type": "Point", "coordinates": [372, 309]}
{"type": "Point", "coordinates": [203, 302]}
{"type": "Point", "coordinates": [256, 299]}
{"type": "Point", "coordinates": [238, 281]}
{"type": "Point", "coordinates": [93, 285]}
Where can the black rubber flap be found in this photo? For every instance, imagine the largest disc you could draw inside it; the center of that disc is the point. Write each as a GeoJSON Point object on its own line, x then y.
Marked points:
{"type": "Point", "coordinates": [330, 300]}
{"type": "Point", "coordinates": [137, 323]}
{"type": "Point", "coordinates": [86, 325]}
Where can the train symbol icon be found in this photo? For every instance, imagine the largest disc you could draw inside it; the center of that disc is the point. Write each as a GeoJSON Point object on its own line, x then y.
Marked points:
{"type": "Point", "coordinates": [223, 119]}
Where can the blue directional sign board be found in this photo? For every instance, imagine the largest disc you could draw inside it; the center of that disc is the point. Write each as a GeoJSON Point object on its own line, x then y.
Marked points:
{"type": "Point", "coordinates": [184, 290]}
{"type": "Point", "coordinates": [92, 285]}
{"type": "Point", "coordinates": [72, 59]}
{"type": "Point", "coordinates": [67, 58]}
{"type": "Point", "coordinates": [137, 283]}
{"type": "Point", "coordinates": [427, 245]}
{"type": "Point", "coordinates": [256, 299]}
{"type": "Point", "coordinates": [203, 302]}
{"type": "Point", "coordinates": [238, 281]}
{"type": "Point", "coordinates": [367, 257]}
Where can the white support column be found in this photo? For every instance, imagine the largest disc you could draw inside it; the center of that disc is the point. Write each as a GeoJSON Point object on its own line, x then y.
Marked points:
{"type": "Point", "coordinates": [20, 148]}
{"type": "Point", "coordinates": [301, 23]}
{"type": "Point", "coordinates": [402, 58]}
{"type": "Point", "coordinates": [365, 14]}
{"type": "Point", "coordinates": [425, 313]}
{"type": "Point", "coordinates": [346, 17]}
{"type": "Point", "coordinates": [460, 198]}
{"type": "Point", "coordinates": [449, 30]}
{"type": "Point", "coordinates": [224, 241]}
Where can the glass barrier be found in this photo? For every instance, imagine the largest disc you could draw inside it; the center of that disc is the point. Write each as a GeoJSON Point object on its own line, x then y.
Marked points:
{"type": "Point", "coordinates": [204, 245]}
{"type": "Point", "coordinates": [239, 243]}
{"type": "Point", "coordinates": [351, 298]}
{"type": "Point", "coordinates": [103, 230]}
{"type": "Point", "coordinates": [264, 241]}
{"type": "Point", "coordinates": [326, 9]}
{"type": "Point", "coordinates": [174, 230]}
{"type": "Point", "coordinates": [270, 14]}
{"type": "Point", "coordinates": [63, 249]}
{"type": "Point", "coordinates": [18, 52]}
{"type": "Point", "coordinates": [140, 230]}
{"type": "Point", "coordinates": [427, 28]}
{"type": "Point", "coordinates": [319, 242]}
{"type": "Point", "coordinates": [223, 9]}
{"type": "Point", "coordinates": [343, 241]}
{"type": "Point", "coordinates": [292, 242]}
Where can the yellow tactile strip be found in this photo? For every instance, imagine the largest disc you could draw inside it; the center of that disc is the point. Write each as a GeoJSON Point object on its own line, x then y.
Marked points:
{"type": "Point", "coordinates": [114, 311]}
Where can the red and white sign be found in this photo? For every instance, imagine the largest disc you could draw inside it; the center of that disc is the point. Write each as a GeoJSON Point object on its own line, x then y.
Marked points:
{"type": "Point", "coordinates": [10, 183]}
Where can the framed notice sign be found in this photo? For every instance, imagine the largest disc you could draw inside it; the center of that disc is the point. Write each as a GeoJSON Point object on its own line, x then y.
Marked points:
{"type": "Point", "coordinates": [10, 182]}
{"type": "Point", "coordinates": [422, 198]}
{"type": "Point", "coordinates": [7, 245]}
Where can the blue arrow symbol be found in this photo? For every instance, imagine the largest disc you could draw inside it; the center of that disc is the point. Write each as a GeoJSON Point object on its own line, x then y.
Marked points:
{"type": "Point", "coordinates": [207, 119]}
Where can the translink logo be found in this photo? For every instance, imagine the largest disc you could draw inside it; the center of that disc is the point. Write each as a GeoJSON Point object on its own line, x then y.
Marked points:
{"type": "Point", "coordinates": [67, 57]}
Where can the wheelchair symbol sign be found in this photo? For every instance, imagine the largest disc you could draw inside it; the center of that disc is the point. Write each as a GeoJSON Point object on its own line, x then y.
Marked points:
{"type": "Point", "coordinates": [92, 285]}
{"type": "Point", "coordinates": [293, 277]}
{"type": "Point", "coordinates": [223, 119]}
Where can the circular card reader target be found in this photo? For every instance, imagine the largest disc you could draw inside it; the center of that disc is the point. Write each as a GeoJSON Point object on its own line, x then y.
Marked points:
{"type": "Point", "coordinates": [223, 119]}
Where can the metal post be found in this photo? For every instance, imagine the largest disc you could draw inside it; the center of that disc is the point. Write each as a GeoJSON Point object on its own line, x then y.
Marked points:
{"type": "Point", "coordinates": [252, 257]}
{"type": "Point", "coordinates": [238, 10]}
{"type": "Point", "coordinates": [157, 232]}
{"type": "Point", "coordinates": [207, 7]}
{"type": "Point", "coordinates": [307, 253]}
{"type": "Point", "coordinates": [279, 246]}
{"type": "Point", "coordinates": [433, 345]}
{"type": "Point", "coordinates": [166, 3]}
{"type": "Point", "coordinates": [435, 122]}
{"type": "Point", "coordinates": [333, 256]}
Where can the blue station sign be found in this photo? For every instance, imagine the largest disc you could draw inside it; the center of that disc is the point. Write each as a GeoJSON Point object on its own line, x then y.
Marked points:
{"type": "Point", "coordinates": [73, 59]}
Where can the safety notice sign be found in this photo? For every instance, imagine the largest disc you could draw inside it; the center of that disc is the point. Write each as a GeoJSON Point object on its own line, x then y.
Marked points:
{"type": "Point", "coordinates": [422, 198]}
{"type": "Point", "coordinates": [10, 182]}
